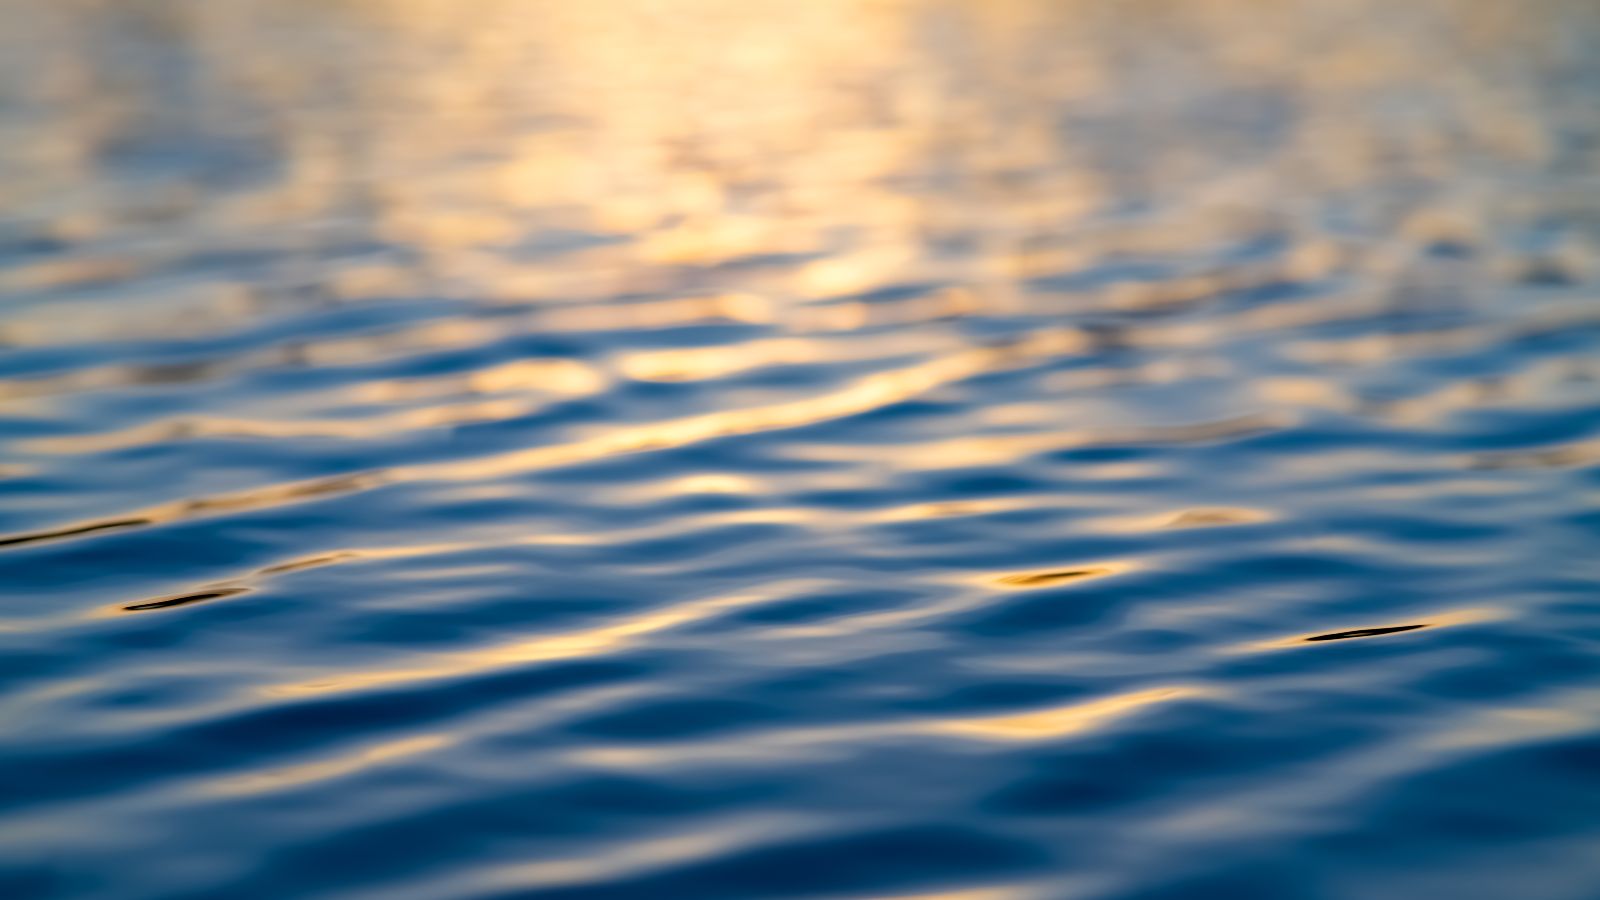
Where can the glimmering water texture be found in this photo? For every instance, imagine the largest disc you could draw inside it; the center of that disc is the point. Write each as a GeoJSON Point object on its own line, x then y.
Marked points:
{"type": "Point", "coordinates": [732, 449]}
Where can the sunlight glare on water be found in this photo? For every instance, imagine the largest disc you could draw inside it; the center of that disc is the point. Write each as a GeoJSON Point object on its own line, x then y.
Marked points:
{"type": "Point", "coordinates": [714, 450]}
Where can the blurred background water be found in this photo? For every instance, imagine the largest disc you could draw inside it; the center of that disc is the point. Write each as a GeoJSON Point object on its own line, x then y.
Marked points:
{"type": "Point", "coordinates": [851, 448]}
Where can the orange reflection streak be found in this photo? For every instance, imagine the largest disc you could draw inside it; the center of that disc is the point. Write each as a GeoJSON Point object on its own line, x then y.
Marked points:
{"type": "Point", "coordinates": [218, 427]}
{"type": "Point", "coordinates": [536, 380]}
{"type": "Point", "coordinates": [336, 767]}
{"type": "Point", "coordinates": [868, 393]}
{"type": "Point", "coordinates": [1053, 577]}
{"type": "Point", "coordinates": [644, 854]}
{"type": "Point", "coordinates": [700, 363]}
{"type": "Point", "coordinates": [587, 642]}
{"type": "Point", "coordinates": [1010, 448]}
{"type": "Point", "coordinates": [1065, 720]}
{"type": "Point", "coordinates": [227, 588]}
{"type": "Point", "coordinates": [1209, 517]}
{"type": "Point", "coordinates": [1569, 712]}
{"type": "Point", "coordinates": [1038, 725]}
{"type": "Point", "coordinates": [469, 128]}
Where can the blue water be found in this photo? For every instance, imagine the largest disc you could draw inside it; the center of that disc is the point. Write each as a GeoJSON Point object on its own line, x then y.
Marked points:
{"type": "Point", "coordinates": [844, 449]}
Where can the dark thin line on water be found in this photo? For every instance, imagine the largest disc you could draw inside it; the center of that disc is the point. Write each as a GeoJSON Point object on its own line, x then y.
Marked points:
{"type": "Point", "coordinates": [91, 528]}
{"type": "Point", "coordinates": [185, 599]}
{"type": "Point", "coordinates": [190, 509]}
{"type": "Point", "coordinates": [1365, 632]}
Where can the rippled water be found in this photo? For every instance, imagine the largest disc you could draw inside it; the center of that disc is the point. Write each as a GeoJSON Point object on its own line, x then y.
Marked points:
{"type": "Point", "coordinates": [977, 450]}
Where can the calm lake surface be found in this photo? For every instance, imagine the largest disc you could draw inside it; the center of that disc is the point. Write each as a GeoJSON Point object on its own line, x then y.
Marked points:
{"type": "Point", "coordinates": [732, 449]}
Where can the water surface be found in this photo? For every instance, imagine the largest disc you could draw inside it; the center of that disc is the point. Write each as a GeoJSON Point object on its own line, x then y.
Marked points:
{"type": "Point", "coordinates": [845, 449]}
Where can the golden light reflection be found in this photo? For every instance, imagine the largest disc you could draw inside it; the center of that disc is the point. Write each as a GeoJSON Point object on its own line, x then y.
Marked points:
{"type": "Point", "coordinates": [632, 165]}
{"type": "Point", "coordinates": [804, 171]}
{"type": "Point", "coordinates": [675, 140]}
{"type": "Point", "coordinates": [941, 509]}
{"type": "Point", "coordinates": [1053, 577]}
{"type": "Point", "coordinates": [1571, 712]}
{"type": "Point", "coordinates": [702, 363]}
{"type": "Point", "coordinates": [865, 394]}
{"type": "Point", "coordinates": [352, 763]}
{"type": "Point", "coordinates": [1036, 725]}
{"type": "Point", "coordinates": [1061, 721]}
{"type": "Point", "coordinates": [248, 582]}
{"type": "Point", "coordinates": [643, 854]}
{"type": "Point", "coordinates": [587, 642]}
{"type": "Point", "coordinates": [1207, 517]}
{"type": "Point", "coordinates": [359, 216]}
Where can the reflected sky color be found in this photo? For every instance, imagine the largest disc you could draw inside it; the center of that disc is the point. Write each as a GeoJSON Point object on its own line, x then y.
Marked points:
{"type": "Point", "coordinates": [938, 449]}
